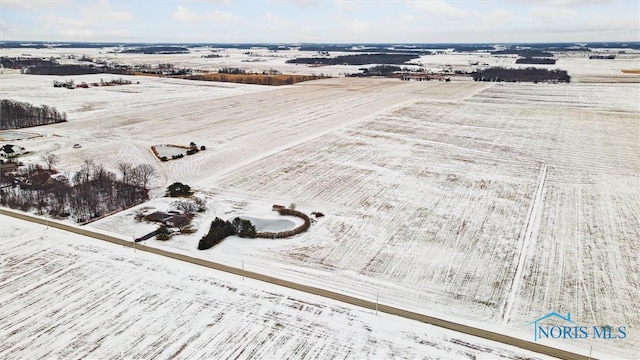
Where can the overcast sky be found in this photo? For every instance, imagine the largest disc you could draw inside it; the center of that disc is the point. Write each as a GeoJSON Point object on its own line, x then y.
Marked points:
{"type": "Point", "coordinates": [294, 21]}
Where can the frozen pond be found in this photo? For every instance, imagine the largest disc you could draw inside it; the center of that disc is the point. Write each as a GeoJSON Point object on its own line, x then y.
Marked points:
{"type": "Point", "coordinates": [269, 224]}
{"type": "Point", "coordinates": [15, 135]}
{"type": "Point", "coordinates": [169, 151]}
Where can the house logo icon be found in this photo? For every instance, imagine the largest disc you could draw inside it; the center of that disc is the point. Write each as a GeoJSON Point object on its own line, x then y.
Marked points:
{"type": "Point", "coordinates": [540, 330]}
{"type": "Point", "coordinates": [556, 326]}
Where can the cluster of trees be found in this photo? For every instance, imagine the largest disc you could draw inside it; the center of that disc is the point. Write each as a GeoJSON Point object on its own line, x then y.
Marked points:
{"type": "Point", "coordinates": [602, 57]}
{"type": "Point", "coordinates": [179, 189]}
{"type": "Point", "coordinates": [72, 69]}
{"type": "Point", "coordinates": [357, 59]}
{"type": "Point", "coordinates": [139, 176]}
{"type": "Point", "coordinates": [380, 70]}
{"type": "Point", "coordinates": [220, 229]}
{"type": "Point", "coordinates": [93, 191]}
{"type": "Point", "coordinates": [530, 74]}
{"type": "Point", "coordinates": [226, 70]}
{"type": "Point", "coordinates": [540, 61]}
{"type": "Point", "coordinates": [190, 206]}
{"type": "Point", "coordinates": [18, 114]}
{"type": "Point", "coordinates": [193, 148]}
{"type": "Point", "coordinates": [22, 62]}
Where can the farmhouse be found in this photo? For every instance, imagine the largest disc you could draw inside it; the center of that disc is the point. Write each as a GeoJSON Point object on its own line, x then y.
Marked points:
{"type": "Point", "coordinates": [9, 151]}
{"type": "Point", "coordinates": [170, 220]}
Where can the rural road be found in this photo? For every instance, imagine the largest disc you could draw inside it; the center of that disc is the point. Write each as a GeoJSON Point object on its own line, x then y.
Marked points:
{"type": "Point", "coordinates": [465, 329]}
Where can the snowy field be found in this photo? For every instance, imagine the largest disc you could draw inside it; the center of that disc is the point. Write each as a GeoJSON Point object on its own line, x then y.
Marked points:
{"type": "Point", "coordinates": [67, 296]}
{"type": "Point", "coordinates": [491, 204]}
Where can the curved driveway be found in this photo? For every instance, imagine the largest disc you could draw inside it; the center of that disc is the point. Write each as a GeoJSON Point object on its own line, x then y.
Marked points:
{"type": "Point", "coordinates": [465, 329]}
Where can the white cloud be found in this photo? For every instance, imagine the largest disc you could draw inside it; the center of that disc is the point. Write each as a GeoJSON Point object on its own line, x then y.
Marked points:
{"type": "Point", "coordinates": [303, 4]}
{"type": "Point", "coordinates": [55, 21]}
{"type": "Point", "coordinates": [566, 2]}
{"type": "Point", "coordinates": [184, 14]}
{"type": "Point", "coordinates": [4, 28]}
{"type": "Point", "coordinates": [500, 15]}
{"type": "Point", "coordinates": [103, 11]}
{"type": "Point", "coordinates": [553, 14]}
{"type": "Point", "coordinates": [94, 20]}
{"type": "Point", "coordinates": [347, 5]}
{"type": "Point", "coordinates": [440, 8]}
{"type": "Point", "coordinates": [358, 28]}
{"type": "Point", "coordinates": [32, 5]}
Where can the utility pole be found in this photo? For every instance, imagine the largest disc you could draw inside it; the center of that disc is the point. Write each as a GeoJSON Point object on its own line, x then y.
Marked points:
{"type": "Point", "coordinates": [376, 303]}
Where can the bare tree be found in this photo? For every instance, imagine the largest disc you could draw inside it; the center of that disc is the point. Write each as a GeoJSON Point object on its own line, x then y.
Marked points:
{"type": "Point", "coordinates": [145, 173]}
{"type": "Point", "coordinates": [201, 204]}
{"type": "Point", "coordinates": [187, 207]}
{"type": "Point", "coordinates": [50, 160]}
{"type": "Point", "coordinates": [125, 170]}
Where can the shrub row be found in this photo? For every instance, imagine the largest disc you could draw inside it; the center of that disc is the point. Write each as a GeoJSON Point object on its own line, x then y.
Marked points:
{"type": "Point", "coordinates": [284, 234]}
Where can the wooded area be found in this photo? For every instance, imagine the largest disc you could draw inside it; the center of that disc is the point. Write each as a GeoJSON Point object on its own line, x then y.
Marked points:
{"type": "Point", "coordinates": [17, 114]}
{"type": "Point", "coordinates": [358, 59]}
{"type": "Point", "coordinates": [530, 74]}
{"type": "Point", "coordinates": [92, 192]}
{"type": "Point", "coordinates": [539, 61]}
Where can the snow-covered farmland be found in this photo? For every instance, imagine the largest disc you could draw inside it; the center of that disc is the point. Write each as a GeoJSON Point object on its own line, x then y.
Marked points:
{"type": "Point", "coordinates": [67, 296]}
{"type": "Point", "coordinates": [437, 199]}
{"type": "Point", "coordinates": [487, 203]}
{"type": "Point", "coordinates": [481, 210]}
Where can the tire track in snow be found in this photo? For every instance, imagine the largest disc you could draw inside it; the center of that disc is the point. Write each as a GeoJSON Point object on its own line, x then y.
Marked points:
{"type": "Point", "coordinates": [525, 247]}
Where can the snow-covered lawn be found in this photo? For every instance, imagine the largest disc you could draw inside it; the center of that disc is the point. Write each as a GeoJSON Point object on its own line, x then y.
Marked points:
{"type": "Point", "coordinates": [67, 296]}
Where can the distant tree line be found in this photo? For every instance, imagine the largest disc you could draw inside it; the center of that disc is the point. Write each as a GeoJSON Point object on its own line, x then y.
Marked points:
{"type": "Point", "coordinates": [357, 59]}
{"type": "Point", "coordinates": [92, 192]}
{"type": "Point", "coordinates": [226, 70]}
{"type": "Point", "coordinates": [157, 50]}
{"type": "Point", "coordinates": [51, 66]}
{"type": "Point", "coordinates": [539, 61]}
{"type": "Point", "coordinates": [18, 114]}
{"type": "Point", "coordinates": [527, 53]}
{"type": "Point", "coordinates": [530, 74]}
{"type": "Point", "coordinates": [602, 57]}
{"type": "Point", "coordinates": [258, 79]}
{"type": "Point", "coordinates": [21, 62]}
{"type": "Point", "coordinates": [72, 69]}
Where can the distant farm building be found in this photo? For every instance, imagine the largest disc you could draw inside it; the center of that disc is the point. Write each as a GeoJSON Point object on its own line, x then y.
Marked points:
{"type": "Point", "coordinates": [9, 151]}
{"type": "Point", "coordinates": [278, 207]}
